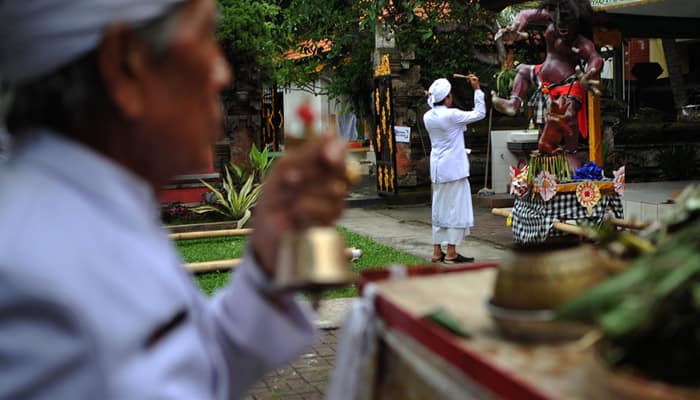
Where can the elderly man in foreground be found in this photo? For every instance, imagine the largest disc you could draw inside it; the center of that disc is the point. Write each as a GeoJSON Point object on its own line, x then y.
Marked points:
{"type": "Point", "coordinates": [110, 99]}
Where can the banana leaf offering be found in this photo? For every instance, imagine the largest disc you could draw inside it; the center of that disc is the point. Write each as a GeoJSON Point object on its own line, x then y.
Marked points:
{"type": "Point", "coordinates": [650, 313]}
{"type": "Point", "coordinates": [557, 165]}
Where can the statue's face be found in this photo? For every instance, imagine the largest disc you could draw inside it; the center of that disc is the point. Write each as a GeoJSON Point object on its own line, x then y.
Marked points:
{"type": "Point", "coordinates": [563, 17]}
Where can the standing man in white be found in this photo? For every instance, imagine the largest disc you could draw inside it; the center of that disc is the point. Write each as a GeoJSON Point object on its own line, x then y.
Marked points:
{"type": "Point", "coordinates": [452, 214]}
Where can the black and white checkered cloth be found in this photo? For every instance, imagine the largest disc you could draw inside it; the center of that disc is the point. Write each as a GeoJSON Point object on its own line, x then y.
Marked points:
{"type": "Point", "coordinates": [533, 218]}
{"type": "Point", "coordinates": [539, 103]}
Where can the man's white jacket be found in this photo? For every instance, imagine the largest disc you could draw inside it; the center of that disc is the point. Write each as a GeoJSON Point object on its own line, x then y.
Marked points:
{"type": "Point", "coordinates": [446, 126]}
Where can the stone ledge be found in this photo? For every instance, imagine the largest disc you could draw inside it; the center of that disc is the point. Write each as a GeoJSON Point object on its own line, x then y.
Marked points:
{"type": "Point", "coordinates": [493, 201]}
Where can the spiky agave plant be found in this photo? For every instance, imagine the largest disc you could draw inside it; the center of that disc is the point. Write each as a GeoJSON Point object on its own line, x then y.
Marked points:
{"type": "Point", "coordinates": [233, 204]}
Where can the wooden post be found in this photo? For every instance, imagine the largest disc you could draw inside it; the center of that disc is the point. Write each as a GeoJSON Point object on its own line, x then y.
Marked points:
{"type": "Point", "coordinates": [595, 137]}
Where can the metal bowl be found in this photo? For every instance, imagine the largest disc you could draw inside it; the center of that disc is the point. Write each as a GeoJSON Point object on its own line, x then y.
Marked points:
{"type": "Point", "coordinates": [534, 325]}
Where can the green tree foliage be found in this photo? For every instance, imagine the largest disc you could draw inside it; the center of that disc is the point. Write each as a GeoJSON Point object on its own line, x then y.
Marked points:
{"type": "Point", "coordinates": [445, 35]}
{"type": "Point", "coordinates": [247, 33]}
{"type": "Point", "coordinates": [337, 41]}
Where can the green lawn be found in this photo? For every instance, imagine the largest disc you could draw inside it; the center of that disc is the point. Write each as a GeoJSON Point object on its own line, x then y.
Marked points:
{"type": "Point", "coordinates": [374, 255]}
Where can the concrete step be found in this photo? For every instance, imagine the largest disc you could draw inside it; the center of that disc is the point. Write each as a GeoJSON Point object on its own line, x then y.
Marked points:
{"type": "Point", "coordinates": [499, 200]}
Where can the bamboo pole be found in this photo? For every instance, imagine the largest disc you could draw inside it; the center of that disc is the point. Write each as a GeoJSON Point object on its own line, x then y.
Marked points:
{"type": "Point", "coordinates": [202, 226]}
{"type": "Point", "coordinates": [625, 223]}
{"type": "Point", "coordinates": [576, 230]}
{"type": "Point", "coordinates": [569, 228]}
{"type": "Point", "coordinates": [503, 212]}
{"type": "Point", "coordinates": [211, 266]}
{"type": "Point", "coordinates": [210, 234]}
{"type": "Point", "coordinates": [560, 226]}
{"type": "Point", "coordinates": [224, 265]}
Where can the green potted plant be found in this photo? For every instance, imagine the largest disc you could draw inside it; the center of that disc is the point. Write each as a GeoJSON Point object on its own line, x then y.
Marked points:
{"type": "Point", "coordinates": [231, 202]}
{"type": "Point", "coordinates": [240, 190]}
{"type": "Point", "coordinates": [260, 162]}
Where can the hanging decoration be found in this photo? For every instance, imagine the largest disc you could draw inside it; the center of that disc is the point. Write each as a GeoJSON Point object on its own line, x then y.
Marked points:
{"type": "Point", "coordinates": [619, 181]}
{"type": "Point", "coordinates": [588, 195]}
{"type": "Point", "coordinates": [546, 185]}
{"type": "Point", "coordinates": [518, 181]}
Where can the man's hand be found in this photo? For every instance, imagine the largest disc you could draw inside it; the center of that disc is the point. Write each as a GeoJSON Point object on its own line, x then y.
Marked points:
{"type": "Point", "coordinates": [587, 83]}
{"type": "Point", "coordinates": [306, 187]}
{"type": "Point", "coordinates": [474, 81]}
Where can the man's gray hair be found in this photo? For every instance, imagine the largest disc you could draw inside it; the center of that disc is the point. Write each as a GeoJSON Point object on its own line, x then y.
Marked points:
{"type": "Point", "coordinates": [74, 96]}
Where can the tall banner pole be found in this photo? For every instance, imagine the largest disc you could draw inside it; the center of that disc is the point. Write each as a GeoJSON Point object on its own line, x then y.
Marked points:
{"type": "Point", "coordinates": [595, 143]}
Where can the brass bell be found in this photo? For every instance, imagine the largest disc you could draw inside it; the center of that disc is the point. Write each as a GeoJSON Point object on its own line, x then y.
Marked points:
{"type": "Point", "coordinates": [313, 259]}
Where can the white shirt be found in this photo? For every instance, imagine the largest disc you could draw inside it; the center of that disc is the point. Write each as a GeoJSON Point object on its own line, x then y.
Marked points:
{"type": "Point", "coordinates": [95, 304]}
{"type": "Point", "coordinates": [4, 144]}
{"type": "Point", "coordinates": [448, 158]}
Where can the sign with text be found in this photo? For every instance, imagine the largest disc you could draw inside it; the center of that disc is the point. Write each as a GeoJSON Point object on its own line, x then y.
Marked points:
{"type": "Point", "coordinates": [403, 134]}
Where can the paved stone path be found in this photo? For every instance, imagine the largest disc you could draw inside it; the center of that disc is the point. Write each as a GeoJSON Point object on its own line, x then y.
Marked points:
{"type": "Point", "coordinates": [406, 228]}
{"type": "Point", "coordinates": [305, 379]}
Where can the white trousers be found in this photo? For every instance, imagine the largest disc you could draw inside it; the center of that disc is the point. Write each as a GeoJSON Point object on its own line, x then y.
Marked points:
{"type": "Point", "coordinates": [452, 213]}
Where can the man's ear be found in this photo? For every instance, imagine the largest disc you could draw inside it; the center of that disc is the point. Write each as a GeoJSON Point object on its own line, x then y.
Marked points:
{"type": "Point", "coordinates": [123, 62]}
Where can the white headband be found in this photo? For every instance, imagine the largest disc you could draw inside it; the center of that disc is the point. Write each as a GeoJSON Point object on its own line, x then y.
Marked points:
{"type": "Point", "coordinates": [41, 36]}
{"type": "Point", "coordinates": [438, 91]}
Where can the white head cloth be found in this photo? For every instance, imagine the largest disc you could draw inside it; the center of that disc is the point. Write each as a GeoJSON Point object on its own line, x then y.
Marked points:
{"type": "Point", "coordinates": [438, 91]}
{"type": "Point", "coordinates": [40, 36]}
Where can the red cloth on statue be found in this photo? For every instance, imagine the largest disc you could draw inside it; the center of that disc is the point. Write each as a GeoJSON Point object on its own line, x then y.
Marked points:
{"type": "Point", "coordinates": [567, 89]}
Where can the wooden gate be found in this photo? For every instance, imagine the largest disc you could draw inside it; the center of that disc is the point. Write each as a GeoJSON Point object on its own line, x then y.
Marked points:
{"type": "Point", "coordinates": [272, 113]}
{"type": "Point", "coordinates": [383, 140]}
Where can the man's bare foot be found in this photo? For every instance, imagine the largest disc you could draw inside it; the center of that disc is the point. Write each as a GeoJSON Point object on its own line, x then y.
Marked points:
{"type": "Point", "coordinates": [438, 257]}
{"type": "Point", "coordinates": [508, 107]}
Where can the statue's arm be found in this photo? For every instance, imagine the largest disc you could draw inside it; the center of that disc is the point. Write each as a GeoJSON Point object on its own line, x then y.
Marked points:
{"type": "Point", "coordinates": [515, 31]}
{"type": "Point", "coordinates": [588, 52]}
{"type": "Point", "coordinates": [532, 16]}
{"type": "Point", "coordinates": [590, 78]}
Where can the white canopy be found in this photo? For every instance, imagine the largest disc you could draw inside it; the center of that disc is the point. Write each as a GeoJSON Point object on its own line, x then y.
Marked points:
{"type": "Point", "coordinates": [658, 8]}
